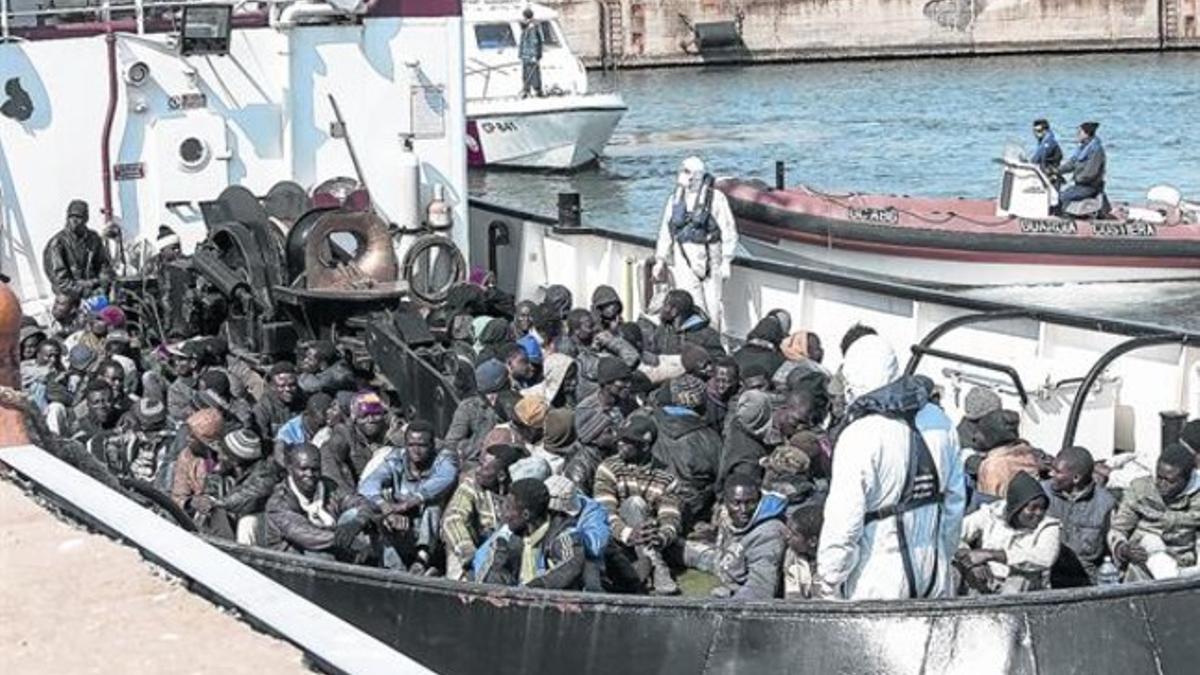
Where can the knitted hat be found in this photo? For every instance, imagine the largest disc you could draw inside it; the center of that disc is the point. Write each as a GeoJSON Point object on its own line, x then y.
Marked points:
{"type": "Point", "coordinates": [592, 422]}
{"type": "Point", "coordinates": [604, 295]}
{"type": "Point", "coordinates": [694, 358]}
{"type": "Point", "coordinates": [491, 376]}
{"type": "Point", "coordinates": [81, 357]}
{"type": "Point", "coordinates": [564, 496]}
{"type": "Point", "coordinates": [533, 350]}
{"type": "Point", "coordinates": [77, 207]}
{"type": "Point", "coordinates": [997, 428]}
{"type": "Point", "coordinates": [531, 411]}
{"type": "Point", "coordinates": [687, 391]}
{"type": "Point", "coordinates": [787, 460]}
{"type": "Point", "coordinates": [795, 347]}
{"type": "Point", "coordinates": [150, 411]}
{"type": "Point", "coordinates": [205, 425]}
{"type": "Point", "coordinates": [754, 412]}
{"type": "Point", "coordinates": [979, 402]}
{"type": "Point", "coordinates": [500, 435]}
{"type": "Point", "coordinates": [612, 369]}
{"type": "Point", "coordinates": [166, 238]}
{"type": "Point", "coordinates": [559, 428]}
{"type": "Point", "coordinates": [112, 315]}
{"type": "Point", "coordinates": [1022, 489]}
{"type": "Point", "coordinates": [529, 467]}
{"type": "Point", "coordinates": [244, 444]}
{"type": "Point", "coordinates": [367, 403]}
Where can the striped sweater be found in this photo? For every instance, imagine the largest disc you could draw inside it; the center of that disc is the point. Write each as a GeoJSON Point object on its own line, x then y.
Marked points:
{"type": "Point", "coordinates": [617, 481]}
{"type": "Point", "coordinates": [472, 515]}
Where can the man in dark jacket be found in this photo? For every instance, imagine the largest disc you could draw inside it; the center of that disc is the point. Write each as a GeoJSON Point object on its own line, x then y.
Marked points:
{"type": "Point", "coordinates": [597, 419]}
{"type": "Point", "coordinates": [1048, 155]}
{"type": "Point", "coordinates": [680, 322]}
{"type": "Point", "coordinates": [321, 369]}
{"type": "Point", "coordinates": [524, 552]}
{"type": "Point", "coordinates": [721, 392]}
{"type": "Point", "coordinates": [530, 51]}
{"type": "Point", "coordinates": [1087, 164]}
{"type": "Point", "coordinates": [240, 486]}
{"type": "Point", "coordinates": [307, 514]}
{"type": "Point", "coordinates": [475, 416]}
{"type": "Point", "coordinates": [592, 345]}
{"type": "Point", "coordinates": [762, 347]}
{"type": "Point", "coordinates": [75, 259]}
{"type": "Point", "coordinates": [607, 308]}
{"type": "Point", "coordinates": [1083, 507]}
{"type": "Point", "coordinates": [351, 445]}
{"type": "Point", "coordinates": [282, 400]}
{"type": "Point", "coordinates": [746, 437]}
{"type": "Point", "coordinates": [689, 448]}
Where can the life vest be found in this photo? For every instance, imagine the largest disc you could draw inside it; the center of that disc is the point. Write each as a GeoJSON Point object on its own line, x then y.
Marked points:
{"type": "Point", "coordinates": [698, 226]}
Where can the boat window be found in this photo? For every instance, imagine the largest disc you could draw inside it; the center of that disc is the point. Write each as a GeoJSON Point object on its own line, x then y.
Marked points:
{"type": "Point", "coordinates": [494, 36]}
{"type": "Point", "coordinates": [549, 34]}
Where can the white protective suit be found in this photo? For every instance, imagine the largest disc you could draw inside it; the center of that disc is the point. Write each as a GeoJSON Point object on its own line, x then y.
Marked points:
{"type": "Point", "coordinates": [709, 263]}
{"type": "Point", "coordinates": [860, 561]}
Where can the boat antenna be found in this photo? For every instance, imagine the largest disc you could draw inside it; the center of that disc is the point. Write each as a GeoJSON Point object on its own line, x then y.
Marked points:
{"type": "Point", "coordinates": [339, 130]}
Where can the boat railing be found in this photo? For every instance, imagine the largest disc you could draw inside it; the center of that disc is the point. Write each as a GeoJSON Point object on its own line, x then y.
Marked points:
{"type": "Point", "coordinates": [14, 16]}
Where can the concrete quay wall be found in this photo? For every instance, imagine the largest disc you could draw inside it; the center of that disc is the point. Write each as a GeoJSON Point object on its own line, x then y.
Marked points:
{"type": "Point", "coordinates": [645, 33]}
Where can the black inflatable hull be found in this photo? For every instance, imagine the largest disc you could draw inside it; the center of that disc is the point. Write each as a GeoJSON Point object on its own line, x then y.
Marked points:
{"type": "Point", "coordinates": [466, 628]}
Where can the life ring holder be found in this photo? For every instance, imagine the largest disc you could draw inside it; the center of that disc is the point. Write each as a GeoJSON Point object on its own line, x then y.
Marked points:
{"type": "Point", "coordinates": [417, 253]}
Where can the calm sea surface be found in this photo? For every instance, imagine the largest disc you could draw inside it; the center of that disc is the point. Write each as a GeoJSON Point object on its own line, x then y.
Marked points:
{"type": "Point", "coordinates": [928, 127]}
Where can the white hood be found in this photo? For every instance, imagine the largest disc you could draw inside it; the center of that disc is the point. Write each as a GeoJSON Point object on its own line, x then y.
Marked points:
{"type": "Point", "coordinates": [870, 363]}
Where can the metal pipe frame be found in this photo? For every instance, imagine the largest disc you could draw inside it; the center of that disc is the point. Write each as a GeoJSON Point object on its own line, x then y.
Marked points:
{"type": "Point", "coordinates": [919, 350]}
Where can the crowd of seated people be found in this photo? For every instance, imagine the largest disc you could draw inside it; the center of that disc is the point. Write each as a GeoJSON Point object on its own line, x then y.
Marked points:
{"type": "Point", "coordinates": [588, 452]}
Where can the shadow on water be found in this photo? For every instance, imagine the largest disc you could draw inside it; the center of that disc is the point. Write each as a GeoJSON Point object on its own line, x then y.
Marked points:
{"type": "Point", "coordinates": [928, 127]}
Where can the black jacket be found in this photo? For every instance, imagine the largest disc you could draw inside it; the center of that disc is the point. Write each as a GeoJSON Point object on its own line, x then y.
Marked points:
{"type": "Point", "coordinates": [345, 454]}
{"type": "Point", "coordinates": [691, 450]}
{"type": "Point", "coordinates": [671, 338]}
{"type": "Point", "coordinates": [71, 261]}
{"type": "Point", "coordinates": [288, 527]}
{"type": "Point", "coordinates": [741, 454]}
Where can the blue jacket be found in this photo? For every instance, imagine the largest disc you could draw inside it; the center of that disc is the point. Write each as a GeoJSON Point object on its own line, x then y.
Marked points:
{"type": "Point", "coordinates": [1087, 164]}
{"type": "Point", "coordinates": [292, 432]}
{"type": "Point", "coordinates": [1047, 153]}
{"type": "Point", "coordinates": [393, 473]}
{"type": "Point", "coordinates": [592, 526]}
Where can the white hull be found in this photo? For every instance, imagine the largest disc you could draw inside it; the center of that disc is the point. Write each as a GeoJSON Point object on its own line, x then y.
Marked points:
{"type": "Point", "coordinates": [551, 133]}
{"type": "Point", "coordinates": [978, 272]}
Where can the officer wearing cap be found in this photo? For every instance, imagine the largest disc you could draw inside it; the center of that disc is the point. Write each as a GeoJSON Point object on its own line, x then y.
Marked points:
{"type": "Point", "coordinates": [75, 260]}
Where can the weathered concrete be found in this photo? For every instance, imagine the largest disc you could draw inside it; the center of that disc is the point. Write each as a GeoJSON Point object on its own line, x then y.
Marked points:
{"type": "Point", "coordinates": [661, 33]}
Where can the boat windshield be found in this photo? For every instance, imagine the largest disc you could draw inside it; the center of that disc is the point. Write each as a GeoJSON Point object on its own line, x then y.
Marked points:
{"type": "Point", "coordinates": [549, 35]}
{"type": "Point", "coordinates": [1014, 153]}
{"type": "Point", "coordinates": [494, 36]}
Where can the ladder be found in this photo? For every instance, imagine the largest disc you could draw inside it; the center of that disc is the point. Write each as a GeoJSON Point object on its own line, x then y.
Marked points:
{"type": "Point", "coordinates": [1170, 20]}
{"type": "Point", "coordinates": [612, 34]}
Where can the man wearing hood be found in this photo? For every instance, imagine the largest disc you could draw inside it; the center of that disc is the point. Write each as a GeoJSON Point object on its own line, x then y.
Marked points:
{"type": "Point", "coordinates": [681, 323]}
{"type": "Point", "coordinates": [559, 384]}
{"type": "Point", "coordinates": [762, 347]}
{"type": "Point", "coordinates": [746, 437]}
{"type": "Point", "coordinates": [747, 556]}
{"type": "Point", "coordinates": [689, 448]}
{"type": "Point", "coordinates": [607, 308]}
{"type": "Point", "coordinates": [75, 259]}
{"type": "Point", "coordinates": [1010, 546]}
{"type": "Point", "coordinates": [897, 479]}
{"type": "Point", "coordinates": [697, 237]}
{"type": "Point", "coordinates": [1154, 528]}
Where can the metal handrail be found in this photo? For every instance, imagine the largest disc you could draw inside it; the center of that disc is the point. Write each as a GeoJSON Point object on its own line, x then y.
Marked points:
{"type": "Point", "coordinates": [105, 10]}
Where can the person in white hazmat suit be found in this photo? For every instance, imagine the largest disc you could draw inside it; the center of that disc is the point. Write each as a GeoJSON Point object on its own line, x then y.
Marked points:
{"type": "Point", "coordinates": [697, 238]}
{"type": "Point", "coordinates": [885, 492]}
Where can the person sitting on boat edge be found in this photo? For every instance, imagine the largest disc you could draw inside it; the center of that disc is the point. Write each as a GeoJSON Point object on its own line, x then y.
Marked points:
{"type": "Point", "coordinates": [1087, 166]}
{"type": "Point", "coordinates": [1154, 528]}
{"type": "Point", "coordinates": [530, 51]}
{"type": "Point", "coordinates": [697, 238]}
{"type": "Point", "coordinates": [523, 552]}
{"type": "Point", "coordinates": [475, 511]}
{"type": "Point", "coordinates": [747, 556]}
{"type": "Point", "coordinates": [1047, 155]}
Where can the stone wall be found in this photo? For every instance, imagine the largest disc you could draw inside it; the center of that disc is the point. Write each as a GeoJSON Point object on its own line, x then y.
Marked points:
{"type": "Point", "coordinates": [660, 32]}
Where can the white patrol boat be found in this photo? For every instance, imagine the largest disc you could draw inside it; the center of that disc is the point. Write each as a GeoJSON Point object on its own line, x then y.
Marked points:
{"type": "Point", "coordinates": [565, 129]}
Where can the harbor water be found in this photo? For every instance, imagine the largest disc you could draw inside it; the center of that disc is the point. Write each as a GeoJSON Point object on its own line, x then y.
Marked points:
{"type": "Point", "coordinates": [918, 127]}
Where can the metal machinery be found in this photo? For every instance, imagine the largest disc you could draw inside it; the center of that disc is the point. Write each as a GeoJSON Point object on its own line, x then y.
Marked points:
{"type": "Point", "coordinates": [294, 268]}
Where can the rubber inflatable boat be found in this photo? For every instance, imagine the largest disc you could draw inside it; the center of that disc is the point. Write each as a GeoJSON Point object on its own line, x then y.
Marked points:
{"type": "Point", "coordinates": [1017, 238]}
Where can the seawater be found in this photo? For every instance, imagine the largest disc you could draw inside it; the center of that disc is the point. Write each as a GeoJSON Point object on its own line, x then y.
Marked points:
{"type": "Point", "coordinates": [918, 127]}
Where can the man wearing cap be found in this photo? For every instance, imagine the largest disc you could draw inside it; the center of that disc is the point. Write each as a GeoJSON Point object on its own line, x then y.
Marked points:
{"type": "Point", "coordinates": [979, 402]}
{"type": "Point", "coordinates": [475, 508]}
{"type": "Point", "coordinates": [689, 448]}
{"type": "Point", "coordinates": [204, 430]}
{"type": "Point", "coordinates": [147, 437]}
{"type": "Point", "coordinates": [181, 394]}
{"type": "Point", "coordinates": [239, 487]}
{"type": "Point", "coordinates": [409, 487]}
{"type": "Point", "coordinates": [281, 402]}
{"type": "Point", "coordinates": [352, 444]}
{"type": "Point", "coordinates": [476, 415]}
{"type": "Point", "coordinates": [75, 259]}
{"type": "Point", "coordinates": [642, 502]}
{"type": "Point", "coordinates": [1087, 166]}
{"type": "Point", "coordinates": [1010, 546]}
